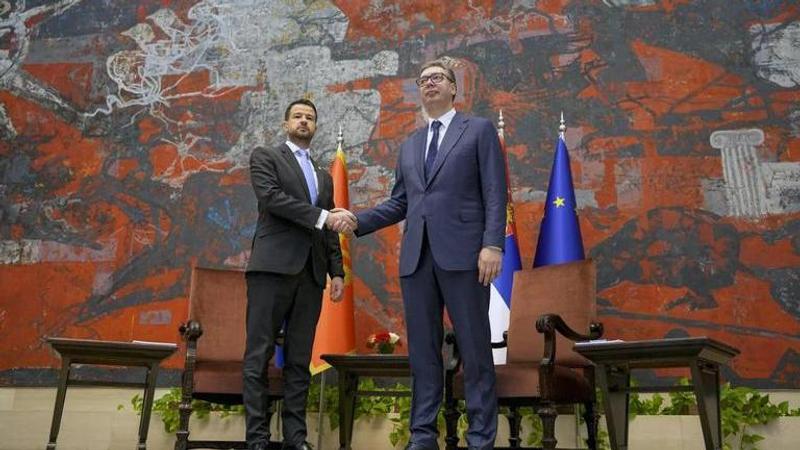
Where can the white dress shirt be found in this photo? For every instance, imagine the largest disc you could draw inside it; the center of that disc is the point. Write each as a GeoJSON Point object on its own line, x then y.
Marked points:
{"type": "Point", "coordinates": [445, 119]}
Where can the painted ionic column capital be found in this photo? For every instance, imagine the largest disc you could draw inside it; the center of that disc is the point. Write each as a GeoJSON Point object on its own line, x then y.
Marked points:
{"type": "Point", "coordinates": [733, 138]}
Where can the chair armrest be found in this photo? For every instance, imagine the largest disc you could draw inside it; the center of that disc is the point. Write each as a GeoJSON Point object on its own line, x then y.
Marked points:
{"type": "Point", "coordinates": [548, 324]}
{"type": "Point", "coordinates": [452, 364]}
{"type": "Point", "coordinates": [503, 343]}
{"type": "Point", "coordinates": [452, 355]}
{"type": "Point", "coordinates": [191, 330]}
{"type": "Point", "coordinates": [554, 322]}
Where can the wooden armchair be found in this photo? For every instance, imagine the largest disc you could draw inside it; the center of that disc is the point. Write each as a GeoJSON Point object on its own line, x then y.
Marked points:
{"type": "Point", "coordinates": [556, 301]}
{"type": "Point", "coordinates": [213, 366]}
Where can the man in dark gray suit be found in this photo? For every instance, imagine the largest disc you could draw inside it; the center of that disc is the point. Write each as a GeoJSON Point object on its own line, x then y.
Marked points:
{"type": "Point", "coordinates": [294, 249]}
{"type": "Point", "coordinates": [450, 188]}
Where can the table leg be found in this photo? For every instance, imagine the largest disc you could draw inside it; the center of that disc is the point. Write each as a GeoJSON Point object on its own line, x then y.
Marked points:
{"type": "Point", "coordinates": [348, 389]}
{"type": "Point", "coordinates": [61, 395]}
{"type": "Point", "coordinates": [147, 405]}
{"type": "Point", "coordinates": [615, 383]}
{"type": "Point", "coordinates": [705, 379]}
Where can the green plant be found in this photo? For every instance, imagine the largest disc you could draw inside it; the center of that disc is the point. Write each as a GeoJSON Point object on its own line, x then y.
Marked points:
{"type": "Point", "coordinates": [681, 402]}
{"type": "Point", "coordinates": [331, 401]}
{"type": "Point", "coordinates": [647, 407]}
{"type": "Point", "coordinates": [401, 433]}
{"type": "Point", "coordinates": [400, 424]}
{"type": "Point", "coordinates": [741, 407]}
{"type": "Point", "coordinates": [166, 407]}
{"type": "Point", "coordinates": [602, 435]}
{"type": "Point", "coordinates": [373, 406]}
{"type": "Point", "coordinates": [535, 435]}
{"type": "Point", "coordinates": [603, 442]}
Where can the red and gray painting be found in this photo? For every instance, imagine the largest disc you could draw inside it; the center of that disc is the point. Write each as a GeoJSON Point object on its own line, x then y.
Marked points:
{"type": "Point", "coordinates": [126, 127]}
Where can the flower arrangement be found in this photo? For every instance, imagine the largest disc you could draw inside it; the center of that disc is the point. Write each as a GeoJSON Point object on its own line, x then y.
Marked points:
{"type": "Point", "coordinates": [383, 342]}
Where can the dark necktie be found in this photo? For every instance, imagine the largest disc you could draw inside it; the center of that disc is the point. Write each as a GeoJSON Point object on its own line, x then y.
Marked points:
{"type": "Point", "coordinates": [433, 148]}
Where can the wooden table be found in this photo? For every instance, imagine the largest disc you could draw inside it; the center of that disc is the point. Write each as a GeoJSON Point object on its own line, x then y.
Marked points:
{"type": "Point", "coordinates": [350, 368]}
{"type": "Point", "coordinates": [107, 353]}
{"type": "Point", "coordinates": [616, 359]}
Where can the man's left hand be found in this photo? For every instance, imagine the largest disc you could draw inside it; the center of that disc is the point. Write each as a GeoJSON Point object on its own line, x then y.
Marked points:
{"type": "Point", "coordinates": [337, 289]}
{"type": "Point", "coordinates": [490, 262]}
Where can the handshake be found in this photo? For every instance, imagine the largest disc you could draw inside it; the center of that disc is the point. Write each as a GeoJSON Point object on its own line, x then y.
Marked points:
{"type": "Point", "coordinates": [341, 220]}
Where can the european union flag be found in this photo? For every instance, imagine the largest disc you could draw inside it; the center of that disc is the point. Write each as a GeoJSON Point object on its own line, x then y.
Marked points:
{"type": "Point", "coordinates": [278, 358]}
{"type": "Point", "coordinates": [559, 234]}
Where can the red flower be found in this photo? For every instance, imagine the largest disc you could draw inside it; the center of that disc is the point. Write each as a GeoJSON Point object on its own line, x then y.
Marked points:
{"type": "Point", "coordinates": [383, 342]}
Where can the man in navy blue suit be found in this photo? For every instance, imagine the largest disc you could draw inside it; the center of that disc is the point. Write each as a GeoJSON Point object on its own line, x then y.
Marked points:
{"type": "Point", "coordinates": [450, 188]}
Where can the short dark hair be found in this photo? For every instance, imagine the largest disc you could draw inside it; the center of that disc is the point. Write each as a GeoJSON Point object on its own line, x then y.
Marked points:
{"type": "Point", "coordinates": [302, 101]}
{"type": "Point", "coordinates": [447, 69]}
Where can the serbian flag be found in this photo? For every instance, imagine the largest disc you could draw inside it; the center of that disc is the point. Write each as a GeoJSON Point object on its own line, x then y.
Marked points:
{"type": "Point", "coordinates": [500, 296]}
{"type": "Point", "coordinates": [336, 329]}
{"type": "Point", "coordinates": [560, 233]}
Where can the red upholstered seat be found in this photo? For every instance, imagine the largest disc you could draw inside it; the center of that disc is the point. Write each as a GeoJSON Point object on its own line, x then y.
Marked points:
{"type": "Point", "coordinates": [547, 305]}
{"type": "Point", "coordinates": [521, 380]}
{"type": "Point", "coordinates": [213, 380]}
{"type": "Point", "coordinates": [215, 341]}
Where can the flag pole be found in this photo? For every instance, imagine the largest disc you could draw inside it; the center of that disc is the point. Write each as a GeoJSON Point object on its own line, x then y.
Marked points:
{"type": "Point", "coordinates": [321, 409]}
{"type": "Point", "coordinates": [562, 128]}
{"type": "Point", "coordinates": [501, 125]}
{"type": "Point", "coordinates": [501, 133]}
{"type": "Point", "coordinates": [339, 141]}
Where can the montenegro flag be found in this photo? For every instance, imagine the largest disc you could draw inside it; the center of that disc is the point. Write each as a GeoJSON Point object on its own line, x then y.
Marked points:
{"type": "Point", "coordinates": [335, 329]}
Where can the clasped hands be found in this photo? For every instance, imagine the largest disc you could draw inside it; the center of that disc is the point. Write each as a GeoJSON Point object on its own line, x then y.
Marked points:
{"type": "Point", "coordinates": [490, 259]}
{"type": "Point", "coordinates": [341, 220]}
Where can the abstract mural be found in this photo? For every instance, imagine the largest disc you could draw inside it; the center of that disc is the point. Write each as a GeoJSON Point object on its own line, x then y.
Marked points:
{"type": "Point", "coordinates": [126, 128]}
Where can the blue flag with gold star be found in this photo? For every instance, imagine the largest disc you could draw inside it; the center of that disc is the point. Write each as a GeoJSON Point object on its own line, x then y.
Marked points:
{"type": "Point", "coordinates": [559, 234]}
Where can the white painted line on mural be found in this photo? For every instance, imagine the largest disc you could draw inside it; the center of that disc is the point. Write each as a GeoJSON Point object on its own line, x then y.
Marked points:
{"type": "Point", "coordinates": [34, 251]}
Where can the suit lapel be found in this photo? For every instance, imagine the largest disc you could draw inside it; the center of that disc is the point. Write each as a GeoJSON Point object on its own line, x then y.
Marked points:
{"type": "Point", "coordinates": [298, 171]}
{"type": "Point", "coordinates": [451, 137]}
